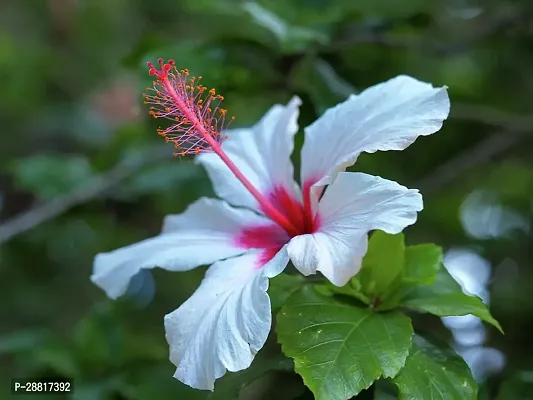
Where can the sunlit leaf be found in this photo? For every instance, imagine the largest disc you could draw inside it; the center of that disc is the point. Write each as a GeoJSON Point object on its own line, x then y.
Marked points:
{"type": "Point", "coordinates": [422, 263]}
{"type": "Point", "coordinates": [382, 264]}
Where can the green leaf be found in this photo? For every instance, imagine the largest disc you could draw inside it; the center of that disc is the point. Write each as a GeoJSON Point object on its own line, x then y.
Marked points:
{"type": "Point", "coordinates": [291, 38]}
{"type": "Point", "coordinates": [352, 289]}
{"type": "Point", "coordinates": [320, 81]}
{"type": "Point", "coordinates": [340, 349]}
{"type": "Point", "coordinates": [445, 298]}
{"type": "Point", "coordinates": [422, 263]}
{"type": "Point", "coordinates": [282, 286]}
{"type": "Point", "coordinates": [48, 176]}
{"type": "Point", "coordinates": [436, 373]}
{"type": "Point", "coordinates": [382, 264]}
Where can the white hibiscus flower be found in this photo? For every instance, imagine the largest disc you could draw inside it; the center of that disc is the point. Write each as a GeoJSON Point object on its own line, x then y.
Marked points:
{"type": "Point", "coordinates": [264, 219]}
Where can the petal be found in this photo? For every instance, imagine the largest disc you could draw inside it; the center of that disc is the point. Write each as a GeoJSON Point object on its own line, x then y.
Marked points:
{"type": "Point", "coordinates": [352, 206]}
{"type": "Point", "coordinates": [203, 234]}
{"type": "Point", "coordinates": [212, 214]}
{"type": "Point", "coordinates": [388, 116]}
{"type": "Point", "coordinates": [262, 154]}
{"type": "Point", "coordinates": [225, 322]}
{"type": "Point", "coordinates": [337, 256]}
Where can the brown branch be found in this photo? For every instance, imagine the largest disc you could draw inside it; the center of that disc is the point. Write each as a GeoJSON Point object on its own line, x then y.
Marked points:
{"type": "Point", "coordinates": [93, 188]}
{"type": "Point", "coordinates": [478, 155]}
{"type": "Point", "coordinates": [515, 128]}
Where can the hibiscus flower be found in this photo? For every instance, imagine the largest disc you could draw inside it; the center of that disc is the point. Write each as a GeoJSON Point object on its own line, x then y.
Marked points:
{"type": "Point", "coordinates": [264, 218]}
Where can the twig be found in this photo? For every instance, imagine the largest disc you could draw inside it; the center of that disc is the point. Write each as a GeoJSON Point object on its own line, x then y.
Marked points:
{"type": "Point", "coordinates": [490, 116]}
{"type": "Point", "coordinates": [514, 129]}
{"type": "Point", "coordinates": [94, 187]}
{"type": "Point", "coordinates": [472, 157]}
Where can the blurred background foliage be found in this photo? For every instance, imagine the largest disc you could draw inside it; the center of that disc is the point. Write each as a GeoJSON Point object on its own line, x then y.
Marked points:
{"type": "Point", "coordinates": [82, 170]}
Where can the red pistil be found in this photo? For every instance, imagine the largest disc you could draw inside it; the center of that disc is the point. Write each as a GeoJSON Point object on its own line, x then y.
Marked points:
{"type": "Point", "coordinates": [199, 125]}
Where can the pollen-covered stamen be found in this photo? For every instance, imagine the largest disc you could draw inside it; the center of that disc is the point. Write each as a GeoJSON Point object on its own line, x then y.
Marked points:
{"type": "Point", "coordinates": [196, 118]}
{"type": "Point", "coordinates": [198, 122]}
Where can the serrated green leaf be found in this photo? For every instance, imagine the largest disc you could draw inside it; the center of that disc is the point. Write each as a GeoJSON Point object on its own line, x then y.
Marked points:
{"type": "Point", "coordinates": [446, 298]}
{"type": "Point", "coordinates": [382, 263]}
{"type": "Point", "coordinates": [282, 286]}
{"type": "Point", "coordinates": [437, 373]}
{"type": "Point", "coordinates": [340, 349]}
{"type": "Point", "coordinates": [422, 263]}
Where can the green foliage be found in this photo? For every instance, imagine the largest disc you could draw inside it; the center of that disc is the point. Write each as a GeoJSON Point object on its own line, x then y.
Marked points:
{"type": "Point", "coordinates": [421, 264]}
{"type": "Point", "coordinates": [435, 372]}
{"type": "Point", "coordinates": [282, 287]}
{"type": "Point", "coordinates": [383, 263]}
{"type": "Point", "coordinates": [291, 38]}
{"type": "Point", "coordinates": [340, 349]}
{"type": "Point", "coordinates": [341, 346]}
{"type": "Point", "coordinates": [48, 176]}
{"type": "Point", "coordinates": [445, 297]}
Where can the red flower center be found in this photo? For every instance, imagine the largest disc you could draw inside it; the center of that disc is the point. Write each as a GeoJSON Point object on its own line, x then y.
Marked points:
{"type": "Point", "coordinates": [271, 237]}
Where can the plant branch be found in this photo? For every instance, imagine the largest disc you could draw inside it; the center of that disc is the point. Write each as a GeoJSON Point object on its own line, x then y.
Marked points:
{"type": "Point", "coordinates": [84, 193]}
{"type": "Point", "coordinates": [480, 154]}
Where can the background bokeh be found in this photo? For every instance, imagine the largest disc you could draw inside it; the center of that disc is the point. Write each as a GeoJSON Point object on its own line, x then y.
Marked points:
{"type": "Point", "coordinates": [83, 171]}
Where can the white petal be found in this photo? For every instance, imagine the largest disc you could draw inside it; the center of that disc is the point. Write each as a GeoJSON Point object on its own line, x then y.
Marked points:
{"type": "Point", "coordinates": [262, 154]}
{"type": "Point", "coordinates": [212, 214]}
{"type": "Point", "coordinates": [225, 322]}
{"type": "Point", "coordinates": [336, 255]}
{"type": "Point", "coordinates": [352, 206]}
{"type": "Point", "coordinates": [387, 116]}
{"type": "Point", "coordinates": [203, 234]}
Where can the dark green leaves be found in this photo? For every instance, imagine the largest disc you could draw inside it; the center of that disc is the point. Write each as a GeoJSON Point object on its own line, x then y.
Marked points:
{"type": "Point", "coordinates": [344, 339]}
{"type": "Point", "coordinates": [434, 372]}
{"type": "Point", "coordinates": [340, 349]}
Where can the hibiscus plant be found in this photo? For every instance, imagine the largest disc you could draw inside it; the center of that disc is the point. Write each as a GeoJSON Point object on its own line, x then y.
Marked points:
{"type": "Point", "coordinates": [343, 307]}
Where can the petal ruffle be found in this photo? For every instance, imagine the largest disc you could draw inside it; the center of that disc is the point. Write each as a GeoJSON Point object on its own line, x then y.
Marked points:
{"type": "Point", "coordinates": [225, 322]}
{"type": "Point", "coordinates": [387, 116]}
{"type": "Point", "coordinates": [352, 206]}
{"type": "Point", "coordinates": [201, 235]}
{"type": "Point", "coordinates": [262, 153]}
